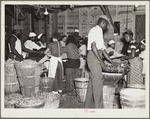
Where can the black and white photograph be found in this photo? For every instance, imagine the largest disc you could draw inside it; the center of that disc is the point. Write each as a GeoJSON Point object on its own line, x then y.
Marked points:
{"type": "Point", "coordinates": [75, 59]}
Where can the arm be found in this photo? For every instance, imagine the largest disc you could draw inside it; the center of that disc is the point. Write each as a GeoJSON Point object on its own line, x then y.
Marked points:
{"type": "Point", "coordinates": [27, 50]}
{"type": "Point", "coordinates": [12, 41]}
{"type": "Point", "coordinates": [94, 49]}
{"type": "Point", "coordinates": [106, 56]}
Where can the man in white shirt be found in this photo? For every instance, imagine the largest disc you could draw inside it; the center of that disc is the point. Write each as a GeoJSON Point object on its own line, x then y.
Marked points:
{"type": "Point", "coordinates": [96, 48]}
{"type": "Point", "coordinates": [30, 44]}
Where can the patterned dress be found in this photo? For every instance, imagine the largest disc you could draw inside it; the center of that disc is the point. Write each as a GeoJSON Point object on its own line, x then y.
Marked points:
{"type": "Point", "coordinates": [136, 64]}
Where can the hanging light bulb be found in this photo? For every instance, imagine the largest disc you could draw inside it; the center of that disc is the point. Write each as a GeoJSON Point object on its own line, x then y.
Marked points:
{"type": "Point", "coordinates": [46, 12]}
{"type": "Point", "coordinates": [136, 6]}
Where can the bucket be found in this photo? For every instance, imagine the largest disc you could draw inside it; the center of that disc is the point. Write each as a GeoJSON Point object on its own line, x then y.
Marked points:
{"type": "Point", "coordinates": [46, 84]}
{"type": "Point", "coordinates": [108, 96]}
{"type": "Point", "coordinates": [28, 91]}
{"type": "Point", "coordinates": [12, 88]}
{"type": "Point", "coordinates": [81, 85]}
{"type": "Point", "coordinates": [29, 78]}
{"type": "Point", "coordinates": [132, 98]}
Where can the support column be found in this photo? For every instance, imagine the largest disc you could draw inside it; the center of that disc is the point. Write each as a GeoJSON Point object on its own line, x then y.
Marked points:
{"type": "Point", "coordinates": [55, 22]}
{"type": "Point", "coordinates": [45, 27]}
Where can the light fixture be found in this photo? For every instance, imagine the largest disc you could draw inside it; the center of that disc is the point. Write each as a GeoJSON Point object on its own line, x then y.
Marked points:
{"type": "Point", "coordinates": [46, 12]}
{"type": "Point", "coordinates": [136, 6]}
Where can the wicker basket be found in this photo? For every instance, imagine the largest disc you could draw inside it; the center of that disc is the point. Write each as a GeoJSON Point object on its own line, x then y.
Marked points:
{"type": "Point", "coordinates": [12, 88]}
{"type": "Point", "coordinates": [29, 78]}
{"type": "Point", "coordinates": [29, 91]}
{"type": "Point", "coordinates": [108, 96]}
{"type": "Point", "coordinates": [132, 98]}
{"type": "Point", "coordinates": [46, 84]}
{"type": "Point", "coordinates": [28, 70]}
{"type": "Point", "coordinates": [81, 85]}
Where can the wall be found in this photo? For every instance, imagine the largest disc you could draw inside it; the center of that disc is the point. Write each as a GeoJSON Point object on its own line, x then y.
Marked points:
{"type": "Point", "coordinates": [85, 18]}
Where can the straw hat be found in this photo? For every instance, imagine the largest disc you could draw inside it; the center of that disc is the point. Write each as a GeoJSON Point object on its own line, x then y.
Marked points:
{"type": "Point", "coordinates": [18, 27]}
{"type": "Point", "coordinates": [105, 17]}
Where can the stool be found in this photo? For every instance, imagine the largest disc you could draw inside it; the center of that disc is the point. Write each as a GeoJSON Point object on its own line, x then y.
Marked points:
{"type": "Point", "coordinates": [71, 74]}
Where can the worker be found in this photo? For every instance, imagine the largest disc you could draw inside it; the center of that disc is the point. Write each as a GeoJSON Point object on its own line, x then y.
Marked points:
{"type": "Point", "coordinates": [96, 49]}
{"type": "Point", "coordinates": [63, 40]}
{"type": "Point", "coordinates": [111, 50]}
{"type": "Point", "coordinates": [30, 43]}
{"type": "Point", "coordinates": [41, 40]}
{"type": "Point", "coordinates": [71, 49]}
{"type": "Point", "coordinates": [76, 36]}
{"type": "Point", "coordinates": [136, 64]}
{"type": "Point", "coordinates": [55, 67]}
{"type": "Point", "coordinates": [15, 45]}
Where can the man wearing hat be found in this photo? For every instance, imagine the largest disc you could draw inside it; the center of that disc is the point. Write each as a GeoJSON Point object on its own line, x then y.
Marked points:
{"type": "Point", "coordinates": [30, 44]}
{"type": "Point", "coordinates": [96, 51]}
{"type": "Point", "coordinates": [15, 45]}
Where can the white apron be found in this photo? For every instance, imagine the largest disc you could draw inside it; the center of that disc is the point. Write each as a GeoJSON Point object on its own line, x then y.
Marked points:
{"type": "Point", "coordinates": [54, 63]}
{"type": "Point", "coordinates": [53, 66]}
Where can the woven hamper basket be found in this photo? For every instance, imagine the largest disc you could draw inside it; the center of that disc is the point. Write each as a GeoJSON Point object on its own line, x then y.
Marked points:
{"type": "Point", "coordinates": [108, 96]}
{"type": "Point", "coordinates": [81, 85]}
{"type": "Point", "coordinates": [29, 91]}
{"type": "Point", "coordinates": [132, 98]}
{"type": "Point", "coordinates": [46, 84]}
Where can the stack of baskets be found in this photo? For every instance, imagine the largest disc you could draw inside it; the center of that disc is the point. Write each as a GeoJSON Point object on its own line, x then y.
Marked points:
{"type": "Point", "coordinates": [133, 97]}
{"type": "Point", "coordinates": [11, 81]}
{"type": "Point", "coordinates": [28, 73]}
{"type": "Point", "coordinates": [108, 96]}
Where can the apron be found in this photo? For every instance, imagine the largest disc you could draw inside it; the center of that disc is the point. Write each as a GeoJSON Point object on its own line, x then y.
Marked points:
{"type": "Point", "coordinates": [53, 64]}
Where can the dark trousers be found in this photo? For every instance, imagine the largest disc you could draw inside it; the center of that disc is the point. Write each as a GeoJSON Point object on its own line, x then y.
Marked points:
{"type": "Point", "coordinates": [58, 83]}
{"type": "Point", "coordinates": [94, 97]}
{"type": "Point", "coordinates": [72, 63]}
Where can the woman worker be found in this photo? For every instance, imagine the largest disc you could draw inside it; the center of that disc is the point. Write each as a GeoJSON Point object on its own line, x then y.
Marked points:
{"type": "Point", "coordinates": [136, 65]}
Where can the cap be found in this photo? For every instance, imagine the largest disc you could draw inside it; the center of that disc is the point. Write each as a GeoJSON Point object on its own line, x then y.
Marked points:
{"type": "Point", "coordinates": [39, 36]}
{"type": "Point", "coordinates": [105, 17]}
{"type": "Point", "coordinates": [18, 27]}
{"type": "Point", "coordinates": [76, 30]}
{"type": "Point", "coordinates": [111, 42]}
{"type": "Point", "coordinates": [32, 34]}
